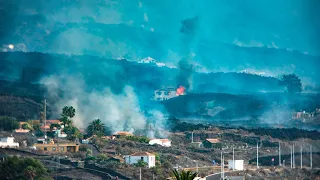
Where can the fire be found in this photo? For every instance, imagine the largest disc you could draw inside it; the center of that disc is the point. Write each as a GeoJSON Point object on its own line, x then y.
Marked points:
{"type": "Point", "coordinates": [180, 91]}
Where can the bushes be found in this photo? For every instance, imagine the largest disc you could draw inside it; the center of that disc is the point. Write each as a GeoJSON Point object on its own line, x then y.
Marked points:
{"type": "Point", "coordinates": [141, 139]}
{"type": "Point", "coordinates": [83, 148]}
{"type": "Point", "coordinates": [21, 168]}
{"type": "Point", "coordinates": [102, 157]}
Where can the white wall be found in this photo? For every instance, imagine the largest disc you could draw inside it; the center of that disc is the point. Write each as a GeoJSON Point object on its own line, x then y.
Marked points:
{"type": "Point", "coordinates": [164, 95]}
{"type": "Point", "coordinates": [158, 141]}
{"type": "Point", "coordinates": [151, 160]}
{"type": "Point", "coordinates": [8, 142]}
{"type": "Point", "coordinates": [238, 164]}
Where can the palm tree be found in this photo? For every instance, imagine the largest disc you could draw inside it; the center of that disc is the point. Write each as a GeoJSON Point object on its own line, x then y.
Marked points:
{"type": "Point", "coordinates": [184, 175]}
{"type": "Point", "coordinates": [64, 120]}
{"type": "Point", "coordinates": [68, 111]}
{"type": "Point", "coordinates": [96, 127]}
{"type": "Point", "coordinates": [30, 172]}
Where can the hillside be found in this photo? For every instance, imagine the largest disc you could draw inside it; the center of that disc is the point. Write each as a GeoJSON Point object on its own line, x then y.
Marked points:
{"type": "Point", "coordinates": [21, 108]}
{"type": "Point", "coordinates": [34, 67]}
{"type": "Point", "coordinates": [261, 109]}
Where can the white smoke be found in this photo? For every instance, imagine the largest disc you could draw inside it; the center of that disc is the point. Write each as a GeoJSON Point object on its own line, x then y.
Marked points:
{"type": "Point", "coordinates": [117, 111]}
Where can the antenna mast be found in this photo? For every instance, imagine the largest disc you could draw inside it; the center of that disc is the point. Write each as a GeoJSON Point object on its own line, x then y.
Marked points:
{"type": "Point", "coordinates": [45, 118]}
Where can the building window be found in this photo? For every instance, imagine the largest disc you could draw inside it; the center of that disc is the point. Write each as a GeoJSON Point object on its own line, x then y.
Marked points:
{"type": "Point", "coordinates": [45, 149]}
{"type": "Point", "coordinates": [53, 148]}
{"type": "Point", "coordinates": [61, 148]}
{"type": "Point", "coordinates": [142, 159]}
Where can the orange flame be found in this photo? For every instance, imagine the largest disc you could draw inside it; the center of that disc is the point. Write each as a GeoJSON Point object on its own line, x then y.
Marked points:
{"type": "Point", "coordinates": [180, 91]}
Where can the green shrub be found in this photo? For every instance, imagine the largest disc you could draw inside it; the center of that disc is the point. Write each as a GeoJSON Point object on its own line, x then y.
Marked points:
{"type": "Point", "coordinates": [142, 139]}
{"type": "Point", "coordinates": [141, 163]}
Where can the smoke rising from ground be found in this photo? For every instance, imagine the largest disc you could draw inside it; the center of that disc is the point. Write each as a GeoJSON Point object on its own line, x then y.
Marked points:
{"type": "Point", "coordinates": [186, 67]}
{"type": "Point", "coordinates": [119, 112]}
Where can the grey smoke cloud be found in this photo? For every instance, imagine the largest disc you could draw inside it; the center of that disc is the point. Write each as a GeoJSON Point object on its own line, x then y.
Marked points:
{"type": "Point", "coordinates": [188, 32]}
{"type": "Point", "coordinates": [119, 112]}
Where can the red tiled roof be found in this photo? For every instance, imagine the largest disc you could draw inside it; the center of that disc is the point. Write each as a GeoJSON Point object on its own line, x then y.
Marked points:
{"type": "Point", "coordinates": [54, 121]}
{"type": "Point", "coordinates": [142, 154]}
{"type": "Point", "coordinates": [123, 133]}
{"type": "Point", "coordinates": [22, 130]}
{"type": "Point", "coordinates": [213, 140]}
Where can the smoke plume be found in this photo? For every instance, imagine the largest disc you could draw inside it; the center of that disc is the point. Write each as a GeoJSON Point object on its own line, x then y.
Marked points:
{"type": "Point", "coordinates": [186, 67]}
{"type": "Point", "coordinates": [119, 112]}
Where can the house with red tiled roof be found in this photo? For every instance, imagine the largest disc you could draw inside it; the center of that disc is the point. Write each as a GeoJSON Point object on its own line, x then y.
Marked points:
{"type": "Point", "coordinates": [212, 143]}
{"type": "Point", "coordinates": [147, 157]}
{"type": "Point", "coordinates": [122, 134]}
{"type": "Point", "coordinates": [161, 142]}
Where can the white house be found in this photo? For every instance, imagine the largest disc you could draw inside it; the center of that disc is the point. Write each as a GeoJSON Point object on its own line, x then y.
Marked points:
{"type": "Point", "coordinates": [149, 158]}
{"type": "Point", "coordinates": [148, 60]}
{"type": "Point", "coordinates": [8, 142]}
{"type": "Point", "coordinates": [161, 142]}
{"type": "Point", "coordinates": [164, 94]}
{"type": "Point", "coordinates": [238, 164]}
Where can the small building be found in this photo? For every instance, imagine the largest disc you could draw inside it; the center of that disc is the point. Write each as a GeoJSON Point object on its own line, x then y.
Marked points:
{"type": "Point", "coordinates": [122, 134]}
{"type": "Point", "coordinates": [8, 142]}
{"type": "Point", "coordinates": [60, 134]}
{"type": "Point", "coordinates": [165, 94]}
{"type": "Point", "coordinates": [238, 164]}
{"type": "Point", "coordinates": [63, 147]}
{"type": "Point", "coordinates": [212, 143]}
{"type": "Point", "coordinates": [161, 142]}
{"type": "Point", "coordinates": [147, 157]}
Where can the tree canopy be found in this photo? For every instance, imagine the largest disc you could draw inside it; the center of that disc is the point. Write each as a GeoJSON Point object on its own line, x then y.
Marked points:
{"type": "Point", "coordinates": [96, 127]}
{"type": "Point", "coordinates": [183, 175]}
{"type": "Point", "coordinates": [68, 112]}
{"type": "Point", "coordinates": [292, 83]}
{"type": "Point", "coordinates": [21, 168]}
{"type": "Point", "coordinates": [8, 123]}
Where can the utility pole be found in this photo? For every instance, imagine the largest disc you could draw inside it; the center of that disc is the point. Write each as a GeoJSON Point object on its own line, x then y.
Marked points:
{"type": "Point", "coordinates": [191, 137]}
{"type": "Point", "coordinates": [279, 154]}
{"type": "Point", "coordinates": [233, 163]}
{"type": "Point", "coordinates": [311, 156]}
{"type": "Point", "coordinates": [291, 156]}
{"type": "Point", "coordinates": [221, 164]}
{"type": "Point", "coordinates": [257, 155]}
{"type": "Point", "coordinates": [223, 167]}
{"type": "Point", "coordinates": [197, 168]}
{"type": "Point", "coordinates": [45, 118]}
{"type": "Point", "coordinates": [300, 156]}
{"type": "Point", "coordinates": [140, 173]}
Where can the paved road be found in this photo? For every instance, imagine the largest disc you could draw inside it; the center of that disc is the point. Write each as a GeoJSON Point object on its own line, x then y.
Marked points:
{"type": "Point", "coordinates": [216, 176]}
